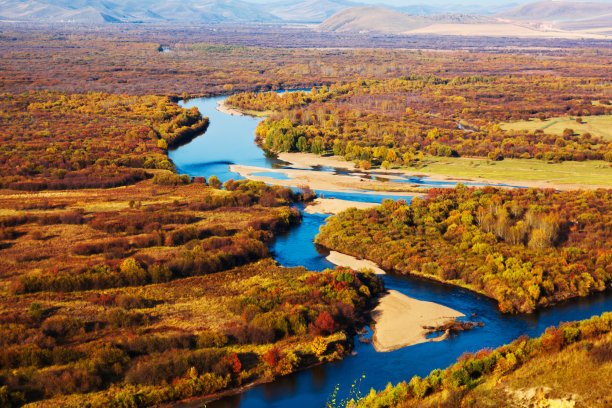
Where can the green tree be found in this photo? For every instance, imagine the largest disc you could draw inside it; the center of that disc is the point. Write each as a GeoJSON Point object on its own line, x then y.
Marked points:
{"type": "Point", "coordinates": [302, 144]}
{"type": "Point", "coordinates": [214, 182]}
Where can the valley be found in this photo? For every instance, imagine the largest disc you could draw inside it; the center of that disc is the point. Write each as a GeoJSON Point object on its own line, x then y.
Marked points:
{"type": "Point", "coordinates": [318, 203]}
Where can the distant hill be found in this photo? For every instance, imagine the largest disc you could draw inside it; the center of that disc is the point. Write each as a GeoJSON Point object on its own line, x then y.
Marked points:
{"type": "Point", "coordinates": [563, 15]}
{"type": "Point", "coordinates": [434, 17]}
{"type": "Point", "coordinates": [311, 11]}
{"type": "Point", "coordinates": [384, 20]}
{"type": "Point", "coordinates": [557, 11]}
{"type": "Point", "coordinates": [96, 11]}
{"type": "Point", "coordinates": [543, 19]}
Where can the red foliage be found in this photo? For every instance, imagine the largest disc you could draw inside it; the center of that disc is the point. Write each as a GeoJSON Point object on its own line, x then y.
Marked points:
{"type": "Point", "coordinates": [272, 357]}
{"type": "Point", "coordinates": [325, 324]}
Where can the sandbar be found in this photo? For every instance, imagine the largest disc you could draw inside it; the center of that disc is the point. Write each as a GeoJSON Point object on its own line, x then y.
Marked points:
{"type": "Point", "coordinates": [327, 181]}
{"type": "Point", "coordinates": [225, 108]}
{"type": "Point", "coordinates": [348, 261]}
{"type": "Point", "coordinates": [399, 320]}
{"type": "Point", "coordinates": [309, 160]}
{"type": "Point", "coordinates": [334, 206]}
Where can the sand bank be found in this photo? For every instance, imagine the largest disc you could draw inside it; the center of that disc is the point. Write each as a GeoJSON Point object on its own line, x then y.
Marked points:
{"type": "Point", "coordinates": [309, 160]}
{"type": "Point", "coordinates": [340, 259]}
{"type": "Point", "coordinates": [225, 108]}
{"type": "Point", "coordinates": [326, 181]}
{"type": "Point", "coordinates": [334, 206]}
{"type": "Point", "coordinates": [399, 321]}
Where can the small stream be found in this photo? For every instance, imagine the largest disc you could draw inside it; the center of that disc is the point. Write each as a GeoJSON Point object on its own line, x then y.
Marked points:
{"type": "Point", "coordinates": [230, 140]}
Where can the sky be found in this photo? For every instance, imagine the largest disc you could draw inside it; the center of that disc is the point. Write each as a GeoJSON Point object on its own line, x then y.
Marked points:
{"type": "Point", "coordinates": [437, 2]}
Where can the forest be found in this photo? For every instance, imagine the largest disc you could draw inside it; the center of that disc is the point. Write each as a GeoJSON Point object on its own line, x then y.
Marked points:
{"type": "Point", "coordinates": [57, 141]}
{"type": "Point", "coordinates": [110, 281]}
{"type": "Point", "coordinates": [525, 248]}
{"type": "Point", "coordinates": [126, 284]}
{"type": "Point", "coordinates": [395, 122]}
{"type": "Point", "coordinates": [519, 371]}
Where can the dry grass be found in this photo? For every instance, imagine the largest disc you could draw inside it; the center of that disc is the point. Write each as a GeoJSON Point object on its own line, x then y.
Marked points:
{"type": "Point", "coordinates": [597, 125]}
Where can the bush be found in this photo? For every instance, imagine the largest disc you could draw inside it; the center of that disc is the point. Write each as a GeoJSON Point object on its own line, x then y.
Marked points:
{"type": "Point", "coordinates": [61, 327]}
{"type": "Point", "coordinates": [171, 179]}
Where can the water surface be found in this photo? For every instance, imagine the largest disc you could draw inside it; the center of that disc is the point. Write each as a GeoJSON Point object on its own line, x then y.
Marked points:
{"type": "Point", "coordinates": [230, 140]}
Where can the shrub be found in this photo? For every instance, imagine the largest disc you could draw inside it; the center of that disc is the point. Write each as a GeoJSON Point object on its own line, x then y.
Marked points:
{"type": "Point", "coordinates": [324, 324]}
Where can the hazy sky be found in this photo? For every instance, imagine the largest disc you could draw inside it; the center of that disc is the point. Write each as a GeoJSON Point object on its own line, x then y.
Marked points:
{"type": "Point", "coordinates": [437, 2]}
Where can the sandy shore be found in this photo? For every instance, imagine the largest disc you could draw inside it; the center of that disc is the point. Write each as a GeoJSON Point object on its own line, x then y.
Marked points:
{"type": "Point", "coordinates": [341, 259]}
{"type": "Point", "coordinates": [399, 321]}
{"type": "Point", "coordinates": [327, 181]}
{"type": "Point", "coordinates": [309, 160]}
{"type": "Point", "coordinates": [225, 108]}
{"type": "Point", "coordinates": [334, 206]}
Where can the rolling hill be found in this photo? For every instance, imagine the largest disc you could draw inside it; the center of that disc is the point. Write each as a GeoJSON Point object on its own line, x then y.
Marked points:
{"type": "Point", "coordinates": [543, 19]}
{"type": "Point", "coordinates": [563, 15]}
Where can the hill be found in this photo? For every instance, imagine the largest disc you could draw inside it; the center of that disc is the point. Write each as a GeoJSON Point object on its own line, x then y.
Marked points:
{"type": "Point", "coordinates": [543, 19]}
{"type": "Point", "coordinates": [385, 20]}
{"type": "Point", "coordinates": [310, 11]}
{"type": "Point", "coordinates": [94, 11]}
{"type": "Point", "coordinates": [563, 15]}
{"type": "Point", "coordinates": [557, 11]}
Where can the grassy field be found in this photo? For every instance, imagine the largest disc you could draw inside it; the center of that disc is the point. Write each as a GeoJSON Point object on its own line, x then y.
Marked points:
{"type": "Point", "coordinates": [587, 173]}
{"type": "Point", "coordinates": [600, 125]}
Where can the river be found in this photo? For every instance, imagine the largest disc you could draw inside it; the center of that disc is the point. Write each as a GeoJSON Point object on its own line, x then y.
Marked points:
{"type": "Point", "coordinates": [230, 140]}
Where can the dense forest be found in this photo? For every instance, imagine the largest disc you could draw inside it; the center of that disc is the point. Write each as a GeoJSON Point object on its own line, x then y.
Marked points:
{"type": "Point", "coordinates": [526, 248]}
{"type": "Point", "coordinates": [395, 122]}
{"type": "Point", "coordinates": [52, 140]}
{"type": "Point", "coordinates": [556, 369]}
{"type": "Point", "coordinates": [110, 283]}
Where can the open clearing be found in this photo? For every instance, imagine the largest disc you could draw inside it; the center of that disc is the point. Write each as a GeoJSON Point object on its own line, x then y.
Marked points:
{"type": "Point", "coordinates": [580, 174]}
{"type": "Point", "coordinates": [599, 125]}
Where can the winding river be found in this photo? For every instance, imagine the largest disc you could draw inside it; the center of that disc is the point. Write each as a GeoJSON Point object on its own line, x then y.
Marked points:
{"type": "Point", "coordinates": [230, 140]}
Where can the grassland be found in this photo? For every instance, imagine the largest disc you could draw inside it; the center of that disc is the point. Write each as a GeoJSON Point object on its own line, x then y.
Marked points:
{"type": "Point", "coordinates": [596, 125]}
{"type": "Point", "coordinates": [563, 175]}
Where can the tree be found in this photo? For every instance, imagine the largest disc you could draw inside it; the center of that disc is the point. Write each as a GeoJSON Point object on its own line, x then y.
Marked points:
{"type": "Point", "coordinates": [317, 145]}
{"type": "Point", "coordinates": [162, 144]}
{"type": "Point", "coordinates": [318, 346]}
{"type": "Point", "coordinates": [324, 324]}
{"type": "Point", "coordinates": [302, 144]}
{"type": "Point", "coordinates": [365, 165]}
{"type": "Point", "coordinates": [214, 182]}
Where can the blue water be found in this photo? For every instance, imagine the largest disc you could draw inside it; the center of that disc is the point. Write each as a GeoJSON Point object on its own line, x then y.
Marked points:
{"type": "Point", "coordinates": [271, 174]}
{"type": "Point", "coordinates": [229, 139]}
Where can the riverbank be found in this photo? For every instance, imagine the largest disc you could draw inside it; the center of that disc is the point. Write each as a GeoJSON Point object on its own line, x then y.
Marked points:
{"type": "Point", "coordinates": [223, 107]}
{"type": "Point", "coordinates": [512, 172]}
{"type": "Point", "coordinates": [334, 206]}
{"type": "Point", "coordinates": [326, 181]}
{"type": "Point", "coordinates": [348, 261]}
{"type": "Point", "coordinates": [399, 320]}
